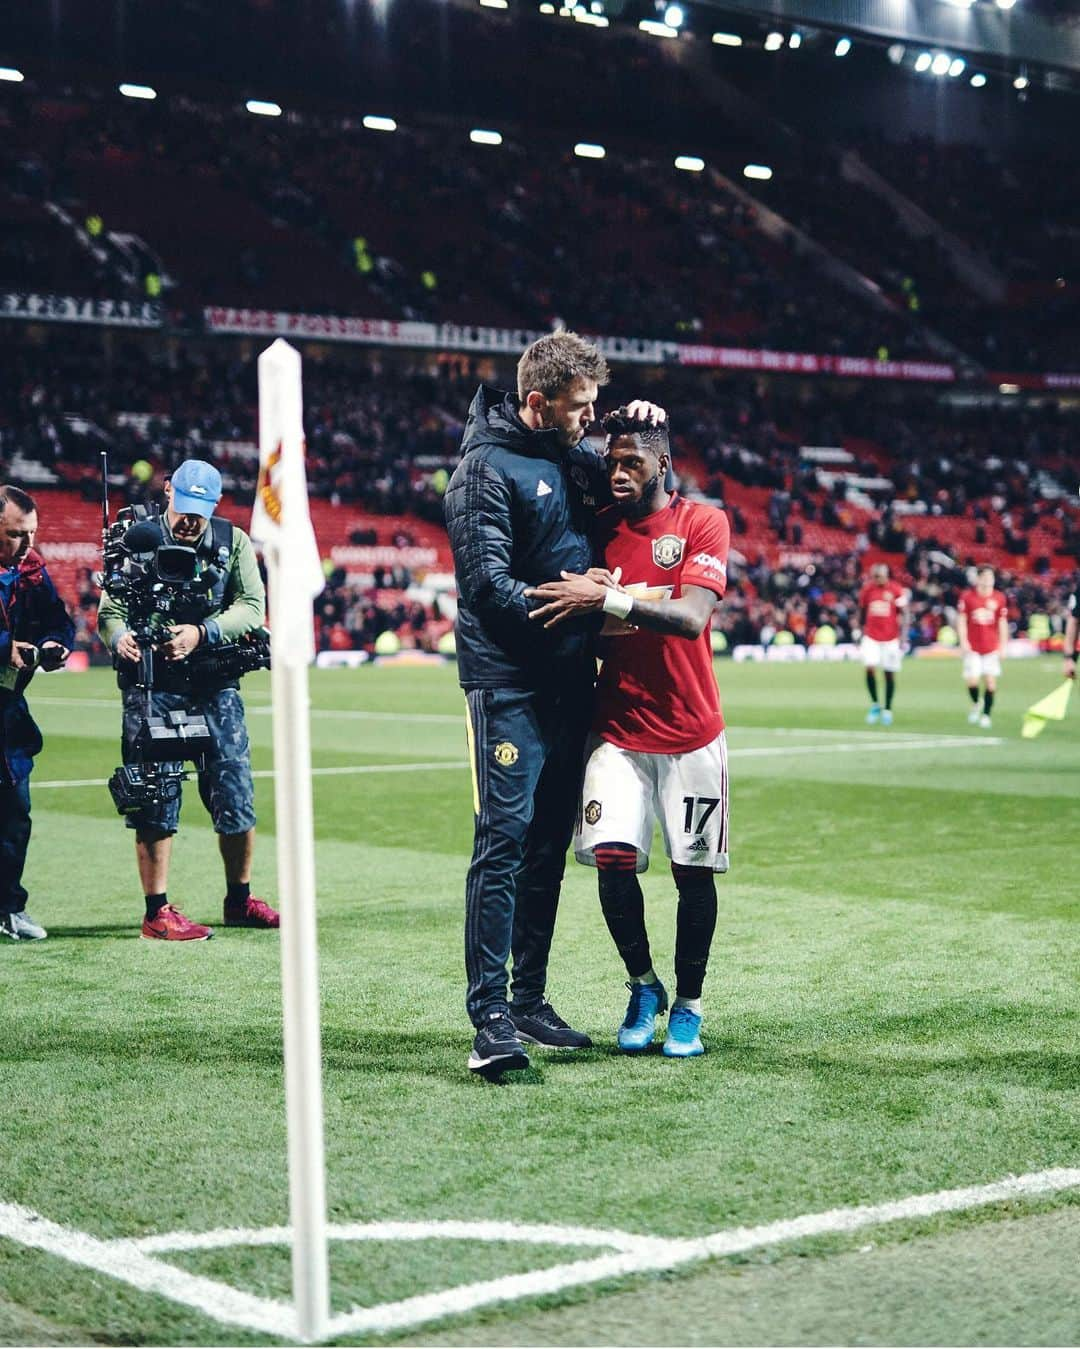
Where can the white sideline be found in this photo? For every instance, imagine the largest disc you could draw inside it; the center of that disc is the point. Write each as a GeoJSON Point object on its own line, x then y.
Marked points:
{"type": "Point", "coordinates": [131, 1260]}
{"type": "Point", "coordinates": [752, 752]}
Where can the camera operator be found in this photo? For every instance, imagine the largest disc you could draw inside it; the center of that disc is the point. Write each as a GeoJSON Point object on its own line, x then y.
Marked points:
{"type": "Point", "coordinates": [34, 630]}
{"type": "Point", "coordinates": [234, 606]}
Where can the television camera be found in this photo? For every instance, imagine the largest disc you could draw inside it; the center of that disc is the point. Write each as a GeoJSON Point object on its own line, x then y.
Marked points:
{"type": "Point", "coordinates": [158, 580]}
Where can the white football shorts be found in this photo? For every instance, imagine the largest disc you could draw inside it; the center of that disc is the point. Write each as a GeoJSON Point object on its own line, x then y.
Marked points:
{"type": "Point", "coordinates": [979, 667]}
{"type": "Point", "coordinates": [625, 791]}
{"type": "Point", "coordinates": [883, 654]}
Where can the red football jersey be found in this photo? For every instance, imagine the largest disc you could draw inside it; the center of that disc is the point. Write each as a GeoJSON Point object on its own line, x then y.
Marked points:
{"type": "Point", "coordinates": [983, 614]}
{"type": "Point", "coordinates": [880, 605]}
{"type": "Point", "coordinates": [657, 693]}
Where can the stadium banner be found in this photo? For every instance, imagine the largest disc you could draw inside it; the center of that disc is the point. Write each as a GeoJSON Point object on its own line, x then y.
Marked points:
{"type": "Point", "coordinates": [1050, 383]}
{"type": "Point", "coordinates": [48, 308]}
{"type": "Point", "coordinates": [416, 333]}
{"type": "Point", "coordinates": [808, 363]}
{"type": "Point", "coordinates": [638, 350]}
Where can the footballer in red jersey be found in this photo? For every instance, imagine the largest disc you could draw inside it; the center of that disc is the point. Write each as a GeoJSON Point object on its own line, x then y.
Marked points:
{"type": "Point", "coordinates": [658, 749]}
{"type": "Point", "coordinates": [881, 603]}
{"type": "Point", "coordinates": [983, 628]}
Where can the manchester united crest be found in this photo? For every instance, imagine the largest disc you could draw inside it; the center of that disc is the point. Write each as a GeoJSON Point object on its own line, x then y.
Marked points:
{"type": "Point", "coordinates": [506, 754]}
{"type": "Point", "coordinates": [667, 551]}
{"type": "Point", "coordinates": [593, 811]}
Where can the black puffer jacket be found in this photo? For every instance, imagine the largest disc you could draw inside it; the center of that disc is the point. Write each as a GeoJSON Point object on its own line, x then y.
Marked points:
{"type": "Point", "coordinates": [519, 509]}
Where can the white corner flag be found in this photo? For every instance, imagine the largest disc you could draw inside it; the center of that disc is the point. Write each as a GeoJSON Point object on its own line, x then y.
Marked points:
{"type": "Point", "coordinates": [281, 523]}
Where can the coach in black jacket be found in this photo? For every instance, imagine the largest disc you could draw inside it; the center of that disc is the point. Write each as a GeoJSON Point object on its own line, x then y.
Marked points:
{"type": "Point", "coordinates": [519, 510]}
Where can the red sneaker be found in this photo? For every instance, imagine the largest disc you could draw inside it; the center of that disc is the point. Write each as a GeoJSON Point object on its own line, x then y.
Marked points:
{"type": "Point", "coordinates": [253, 912]}
{"type": "Point", "coordinates": [171, 925]}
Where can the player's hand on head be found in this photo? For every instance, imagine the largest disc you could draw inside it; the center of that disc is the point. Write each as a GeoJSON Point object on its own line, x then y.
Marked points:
{"type": "Point", "coordinates": [643, 411]}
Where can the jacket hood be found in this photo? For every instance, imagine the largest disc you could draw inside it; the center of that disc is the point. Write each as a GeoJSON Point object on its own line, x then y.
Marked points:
{"type": "Point", "coordinates": [493, 420]}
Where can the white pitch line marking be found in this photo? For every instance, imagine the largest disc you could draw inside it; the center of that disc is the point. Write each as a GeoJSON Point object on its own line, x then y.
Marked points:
{"type": "Point", "coordinates": [332, 771]}
{"type": "Point", "coordinates": [131, 1261]}
{"type": "Point", "coordinates": [454, 719]}
{"type": "Point", "coordinates": [750, 752]}
{"type": "Point", "coordinates": [122, 1260]}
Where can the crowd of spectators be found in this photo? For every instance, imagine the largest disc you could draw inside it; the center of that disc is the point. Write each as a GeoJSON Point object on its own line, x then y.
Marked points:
{"type": "Point", "coordinates": [383, 434]}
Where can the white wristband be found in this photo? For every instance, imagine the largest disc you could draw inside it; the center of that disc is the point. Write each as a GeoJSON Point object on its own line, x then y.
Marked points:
{"type": "Point", "coordinates": [617, 602]}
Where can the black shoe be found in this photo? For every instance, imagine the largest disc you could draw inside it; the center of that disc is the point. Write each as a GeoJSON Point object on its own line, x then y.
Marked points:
{"type": "Point", "coordinates": [545, 1026]}
{"type": "Point", "coordinates": [497, 1048]}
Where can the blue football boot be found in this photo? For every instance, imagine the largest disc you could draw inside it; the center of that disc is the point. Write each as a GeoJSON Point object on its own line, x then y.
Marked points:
{"type": "Point", "coordinates": [886, 717]}
{"type": "Point", "coordinates": [647, 1002]}
{"type": "Point", "coordinates": [874, 715]}
{"type": "Point", "coordinates": [683, 1038]}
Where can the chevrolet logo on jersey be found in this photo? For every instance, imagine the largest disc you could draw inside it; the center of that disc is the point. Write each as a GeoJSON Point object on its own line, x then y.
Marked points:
{"type": "Point", "coordinates": [667, 551]}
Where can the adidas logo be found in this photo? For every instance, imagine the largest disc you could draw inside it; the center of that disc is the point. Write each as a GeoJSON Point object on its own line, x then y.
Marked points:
{"type": "Point", "coordinates": [699, 845]}
{"type": "Point", "coordinates": [542, 489]}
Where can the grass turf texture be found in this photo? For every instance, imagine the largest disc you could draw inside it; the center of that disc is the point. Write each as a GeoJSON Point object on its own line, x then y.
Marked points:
{"type": "Point", "coordinates": [891, 1009]}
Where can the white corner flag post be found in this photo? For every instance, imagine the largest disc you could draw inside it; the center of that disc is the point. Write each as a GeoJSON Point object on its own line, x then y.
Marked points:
{"type": "Point", "coordinates": [281, 522]}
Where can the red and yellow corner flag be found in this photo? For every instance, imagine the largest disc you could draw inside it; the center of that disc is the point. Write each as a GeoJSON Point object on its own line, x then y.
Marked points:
{"type": "Point", "coordinates": [1051, 708]}
{"type": "Point", "coordinates": [281, 520]}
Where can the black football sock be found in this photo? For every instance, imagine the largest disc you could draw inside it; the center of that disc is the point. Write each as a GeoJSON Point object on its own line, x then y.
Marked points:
{"type": "Point", "coordinates": [624, 905]}
{"type": "Point", "coordinates": [973, 693]}
{"type": "Point", "coordinates": [988, 701]}
{"type": "Point", "coordinates": [871, 686]}
{"type": "Point", "coordinates": [890, 688]}
{"type": "Point", "coordinates": [155, 903]}
{"type": "Point", "coordinates": [238, 893]}
{"type": "Point", "coordinates": [694, 927]}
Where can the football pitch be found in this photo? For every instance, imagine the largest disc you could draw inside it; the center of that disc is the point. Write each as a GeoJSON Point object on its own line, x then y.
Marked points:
{"type": "Point", "coordinates": [892, 1025]}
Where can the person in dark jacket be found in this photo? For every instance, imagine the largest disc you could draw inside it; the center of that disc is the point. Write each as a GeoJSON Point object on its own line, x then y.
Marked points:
{"type": "Point", "coordinates": [34, 630]}
{"type": "Point", "coordinates": [519, 510]}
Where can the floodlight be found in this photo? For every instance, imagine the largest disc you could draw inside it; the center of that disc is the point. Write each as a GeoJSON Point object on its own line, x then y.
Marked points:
{"type": "Point", "coordinates": [774, 42]}
{"type": "Point", "coordinates": [843, 46]}
{"type": "Point", "coordinates": [373, 123]}
{"type": "Point", "coordinates": [480, 137]}
{"type": "Point", "coordinates": [261, 108]}
{"type": "Point", "coordinates": [940, 64]}
{"type": "Point", "coordinates": [690, 163]}
{"type": "Point", "coordinates": [957, 67]}
{"type": "Point", "coordinates": [657, 29]}
{"type": "Point", "coordinates": [795, 41]}
{"type": "Point", "coordinates": [727, 39]}
{"type": "Point", "coordinates": [11, 75]}
{"type": "Point", "coordinates": [1021, 82]}
{"type": "Point", "coordinates": [138, 91]}
{"type": "Point", "coordinates": [923, 62]}
{"type": "Point", "coordinates": [584, 150]}
{"type": "Point", "coordinates": [977, 81]}
{"type": "Point", "coordinates": [761, 172]}
{"type": "Point", "coordinates": [674, 16]}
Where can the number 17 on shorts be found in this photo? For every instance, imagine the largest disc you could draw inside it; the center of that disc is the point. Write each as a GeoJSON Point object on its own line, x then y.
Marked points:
{"type": "Point", "coordinates": [626, 791]}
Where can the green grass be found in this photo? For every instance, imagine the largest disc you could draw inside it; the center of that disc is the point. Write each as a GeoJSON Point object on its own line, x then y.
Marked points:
{"type": "Point", "coordinates": [891, 1009]}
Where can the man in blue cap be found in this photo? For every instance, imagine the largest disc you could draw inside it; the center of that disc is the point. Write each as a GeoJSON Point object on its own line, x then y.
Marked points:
{"type": "Point", "coordinates": [234, 605]}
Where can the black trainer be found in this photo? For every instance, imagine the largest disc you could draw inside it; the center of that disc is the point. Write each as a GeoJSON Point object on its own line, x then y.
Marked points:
{"type": "Point", "coordinates": [544, 1026]}
{"type": "Point", "coordinates": [497, 1048]}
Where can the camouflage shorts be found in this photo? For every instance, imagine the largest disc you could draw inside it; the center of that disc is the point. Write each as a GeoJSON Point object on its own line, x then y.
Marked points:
{"type": "Point", "coordinates": [225, 784]}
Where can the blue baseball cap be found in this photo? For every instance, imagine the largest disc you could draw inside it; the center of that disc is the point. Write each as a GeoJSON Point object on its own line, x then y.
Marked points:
{"type": "Point", "coordinates": [196, 488]}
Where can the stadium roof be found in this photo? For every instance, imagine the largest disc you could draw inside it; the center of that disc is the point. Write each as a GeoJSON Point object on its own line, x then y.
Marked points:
{"type": "Point", "coordinates": [1016, 34]}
